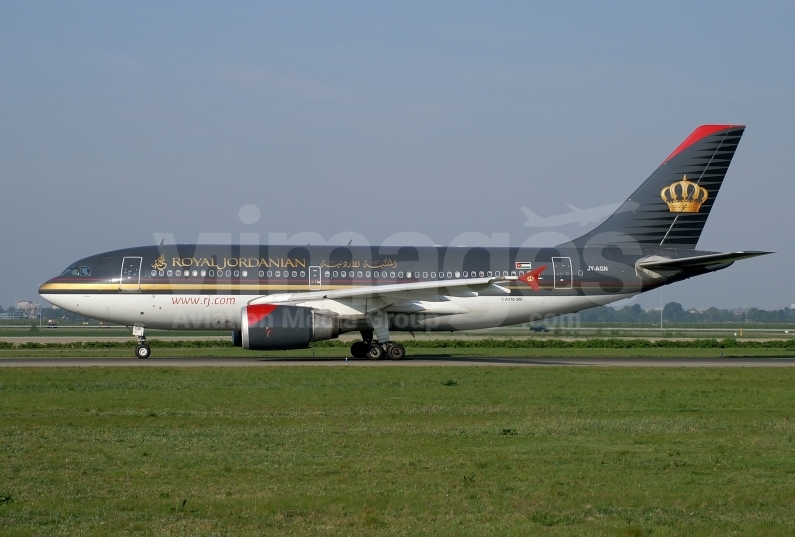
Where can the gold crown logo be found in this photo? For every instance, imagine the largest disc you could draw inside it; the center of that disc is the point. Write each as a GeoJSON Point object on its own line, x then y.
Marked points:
{"type": "Point", "coordinates": [684, 196]}
{"type": "Point", "coordinates": [160, 263]}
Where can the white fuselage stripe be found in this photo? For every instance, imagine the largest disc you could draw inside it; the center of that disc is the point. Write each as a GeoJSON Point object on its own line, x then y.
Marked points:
{"type": "Point", "coordinates": [222, 312]}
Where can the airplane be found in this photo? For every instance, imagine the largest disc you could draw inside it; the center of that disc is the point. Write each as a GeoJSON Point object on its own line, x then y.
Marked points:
{"type": "Point", "coordinates": [583, 216]}
{"type": "Point", "coordinates": [282, 297]}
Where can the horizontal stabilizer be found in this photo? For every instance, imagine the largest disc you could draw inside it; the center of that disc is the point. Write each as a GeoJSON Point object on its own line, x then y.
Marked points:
{"type": "Point", "coordinates": [697, 260]}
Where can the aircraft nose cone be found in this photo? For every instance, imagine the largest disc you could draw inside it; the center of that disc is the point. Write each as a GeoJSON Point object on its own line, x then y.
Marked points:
{"type": "Point", "coordinates": [47, 291]}
{"type": "Point", "coordinates": [43, 287]}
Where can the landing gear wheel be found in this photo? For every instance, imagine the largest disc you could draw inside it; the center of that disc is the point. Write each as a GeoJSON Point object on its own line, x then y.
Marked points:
{"type": "Point", "coordinates": [375, 352]}
{"type": "Point", "coordinates": [395, 351]}
{"type": "Point", "coordinates": [359, 349]}
{"type": "Point", "coordinates": [143, 351]}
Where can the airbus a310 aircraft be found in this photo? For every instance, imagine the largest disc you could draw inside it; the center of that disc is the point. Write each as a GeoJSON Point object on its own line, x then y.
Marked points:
{"type": "Point", "coordinates": [282, 297]}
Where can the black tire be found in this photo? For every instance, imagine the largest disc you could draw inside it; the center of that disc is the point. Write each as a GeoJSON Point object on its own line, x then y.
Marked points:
{"type": "Point", "coordinates": [375, 352]}
{"type": "Point", "coordinates": [395, 351]}
{"type": "Point", "coordinates": [143, 351]}
{"type": "Point", "coordinates": [359, 349]}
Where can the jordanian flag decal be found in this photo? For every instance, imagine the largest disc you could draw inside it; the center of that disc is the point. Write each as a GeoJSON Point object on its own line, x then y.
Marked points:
{"type": "Point", "coordinates": [522, 265]}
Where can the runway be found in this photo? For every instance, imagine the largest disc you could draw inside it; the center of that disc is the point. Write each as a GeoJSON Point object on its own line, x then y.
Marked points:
{"type": "Point", "coordinates": [413, 362]}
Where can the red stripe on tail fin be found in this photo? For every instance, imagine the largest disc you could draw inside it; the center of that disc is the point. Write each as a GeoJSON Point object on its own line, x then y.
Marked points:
{"type": "Point", "coordinates": [701, 132]}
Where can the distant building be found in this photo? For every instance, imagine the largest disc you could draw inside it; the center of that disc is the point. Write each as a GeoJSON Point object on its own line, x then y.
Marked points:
{"type": "Point", "coordinates": [28, 309]}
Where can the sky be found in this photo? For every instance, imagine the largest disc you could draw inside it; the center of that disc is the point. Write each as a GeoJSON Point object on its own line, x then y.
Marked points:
{"type": "Point", "coordinates": [123, 123]}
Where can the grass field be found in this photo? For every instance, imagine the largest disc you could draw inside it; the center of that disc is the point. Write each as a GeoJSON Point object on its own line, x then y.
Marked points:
{"type": "Point", "coordinates": [408, 451]}
{"type": "Point", "coordinates": [415, 352]}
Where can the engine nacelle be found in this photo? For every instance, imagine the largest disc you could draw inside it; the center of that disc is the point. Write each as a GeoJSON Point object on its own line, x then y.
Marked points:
{"type": "Point", "coordinates": [272, 326]}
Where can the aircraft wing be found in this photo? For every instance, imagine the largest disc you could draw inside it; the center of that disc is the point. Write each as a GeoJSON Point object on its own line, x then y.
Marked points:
{"type": "Point", "coordinates": [697, 261]}
{"type": "Point", "coordinates": [397, 291]}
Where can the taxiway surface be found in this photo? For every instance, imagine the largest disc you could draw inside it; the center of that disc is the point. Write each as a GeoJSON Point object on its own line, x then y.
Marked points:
{"type": "Point", "coordinates": [413, 362]}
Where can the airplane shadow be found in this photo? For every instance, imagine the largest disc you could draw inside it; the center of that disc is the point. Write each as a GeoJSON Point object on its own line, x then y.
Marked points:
{"type": "Point", "coordinates": [440, 358]}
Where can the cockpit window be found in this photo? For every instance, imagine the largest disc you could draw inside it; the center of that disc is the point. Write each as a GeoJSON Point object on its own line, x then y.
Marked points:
{"type": "Point", "coordinates": [77, 271]}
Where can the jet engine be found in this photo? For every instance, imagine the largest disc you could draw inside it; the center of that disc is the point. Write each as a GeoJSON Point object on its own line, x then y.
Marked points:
{"type": "Point", "coordinates": [273, 326]}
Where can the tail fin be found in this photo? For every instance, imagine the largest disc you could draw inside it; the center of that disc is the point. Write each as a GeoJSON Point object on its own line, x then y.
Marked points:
{"type": "Point", "coordinates": [671, 207]}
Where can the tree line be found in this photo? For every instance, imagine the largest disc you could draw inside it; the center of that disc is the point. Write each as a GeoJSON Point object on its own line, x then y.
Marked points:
{"type": "Point", "coordinates": [673, 312]}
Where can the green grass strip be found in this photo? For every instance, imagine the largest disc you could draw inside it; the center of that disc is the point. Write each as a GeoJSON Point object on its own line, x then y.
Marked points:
{"type": "Point", "coordinates": [486, 343]}
{"type": "Point", "coordinates": [355, 451]}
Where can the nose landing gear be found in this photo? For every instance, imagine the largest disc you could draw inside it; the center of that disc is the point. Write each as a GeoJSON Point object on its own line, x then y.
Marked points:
{"type": "Point", "coordinates": [142, 350]}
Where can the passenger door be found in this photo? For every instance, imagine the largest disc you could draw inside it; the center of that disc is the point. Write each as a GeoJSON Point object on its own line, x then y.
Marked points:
{"type": "Point", "coordinates": [561, 270]}
{"type": "Point", "coordinates": [130, 280]}
{"type": "Point", "coordinates": [314, 279]}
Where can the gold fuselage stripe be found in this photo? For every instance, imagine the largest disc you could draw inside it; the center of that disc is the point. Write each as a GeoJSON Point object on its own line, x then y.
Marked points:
{"type": "Point", "coordinates": [183, 286]}
{"type": "Point", "coordinates": [154, 287]}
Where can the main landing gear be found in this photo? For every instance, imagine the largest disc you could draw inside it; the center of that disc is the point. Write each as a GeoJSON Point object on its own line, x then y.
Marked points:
{"type": "Point", "coordinates": [142, 350]}
{"type": "Point", "coordinates": [372, 349]}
